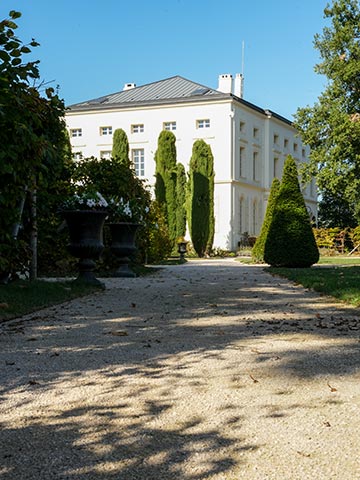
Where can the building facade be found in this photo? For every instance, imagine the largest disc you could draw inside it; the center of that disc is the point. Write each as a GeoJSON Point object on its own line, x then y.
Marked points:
{"type": "Point", "coordinates": [249, 144]}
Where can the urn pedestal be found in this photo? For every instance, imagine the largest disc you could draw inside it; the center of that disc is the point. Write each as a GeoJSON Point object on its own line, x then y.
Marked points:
{"type": "Point", "coordinates": [86, 241]}
{"type": "Point", "coordinates": [123, 246]}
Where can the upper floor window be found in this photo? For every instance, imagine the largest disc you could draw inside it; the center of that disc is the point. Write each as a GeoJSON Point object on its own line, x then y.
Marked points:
{"type": "Point", "coordinates": [242, 127]}
{"type": "Point", "coordinates": [242, 162]}
{"type": "Point", "coordinates": [295, 147]}
{"type": "Point", "coordinates": [276, 139]}
{"type": "Point", "coordinates": [138, 128]}
{"type": "Point", "coordinates": [106, 131]}
{"type": "Point", "coordinates": [138, 160]}
{"type": "Point", "coordinates": [205, 123]}
{"type": "Point", "coordinates": [169, 125]}
{"type": "Point", "coordinates": [76, 132]}
{"type": "Point", "coordinates": [286, 143]}
{"type": "Point", "coordinates": [276, 172]}
{"type": "Point", "coordinates": [256, 166]}
{"type": "Point", "coordinates": [77, 156]}
{"type": "Point", "coordinates": [255, 132]}
{"type": "Point", "coordinates": [303, 153]}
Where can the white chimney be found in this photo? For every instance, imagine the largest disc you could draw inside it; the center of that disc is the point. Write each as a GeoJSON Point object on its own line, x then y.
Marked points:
{"type": "Point", "coordinates": [239, 85]}
{"type": "Point", "coordinates": [129, 86]}
{"type": "Point", "coordinates": [225, 83]}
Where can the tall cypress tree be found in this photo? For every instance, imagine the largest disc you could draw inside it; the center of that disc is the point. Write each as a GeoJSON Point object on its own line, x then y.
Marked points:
{"type": "Point", "coordinates": [201, 197]}
{"type": "Point", "coordinates": [257, 252]}
{"type": "Point", "coordinates": [120, 147]}
{"type": "Point", "coordinates": [180, 200]}
{"type": "Point", "coordinates": [165, 184]}
{"type": "Point", "coordinates": [290, 241]}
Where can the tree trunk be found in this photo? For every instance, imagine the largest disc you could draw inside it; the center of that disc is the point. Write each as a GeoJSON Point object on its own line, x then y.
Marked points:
{"type": "Point", "coordinates": [33, 235]}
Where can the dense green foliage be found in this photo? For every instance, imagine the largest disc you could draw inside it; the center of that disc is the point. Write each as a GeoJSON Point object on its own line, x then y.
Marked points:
{"type": "Point", "coordinates": [332, 126]}
{"type": "Point", "coordinates": [290, 241]}
{"type": "Point", "coordinates": [335, 211]}
{"type": "Point", "coordinates": [33, 144]}
{"type": "Point", "coordinates": [258, 249]}
{"type": "Point", "coordinates": [201, 198]}
{"type": "Point", "coordinates": [181, 183]}
{"type": "Point", "coordinates": [120, 148]}
{"type": "Point", "coordinates": [158, 243]}
{"type": "Point", "coordinates": [165, 184]}
{"type": "Point", "coordinates": [114, 179]}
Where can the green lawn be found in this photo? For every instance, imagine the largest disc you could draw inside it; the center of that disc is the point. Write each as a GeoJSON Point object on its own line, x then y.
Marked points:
{"type": "Point", "coordinates": [341, 282]}
{"type": "Point", "coordinates": [340, 260]}
{"type": "Point", "coordinates": [21, 297]}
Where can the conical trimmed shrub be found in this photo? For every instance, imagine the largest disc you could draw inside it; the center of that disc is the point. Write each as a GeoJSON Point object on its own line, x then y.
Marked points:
{"type": "Point", "coordinates": [201, 198]}
{"type": "Point", "coordinates": [165, 184]}
{"type": "Point", "coordinates": [180, 201]}
{"type": "Point", "coordinates": [290, 240]}
{"type": "Point", "coordinates": [258, 250]}
{"type": "Point", "coordinates": [120, 147]}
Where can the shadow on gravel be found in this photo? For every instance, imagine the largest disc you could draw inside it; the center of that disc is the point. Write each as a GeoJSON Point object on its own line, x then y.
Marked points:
{"type": "Point", "coordinates": [132, 332]}
{"type": "Point", "coordinates": [93, 443]}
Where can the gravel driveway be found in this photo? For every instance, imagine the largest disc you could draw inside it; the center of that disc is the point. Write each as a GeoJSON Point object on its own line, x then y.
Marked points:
{"type": "Point", "coordinates": [209, 370]}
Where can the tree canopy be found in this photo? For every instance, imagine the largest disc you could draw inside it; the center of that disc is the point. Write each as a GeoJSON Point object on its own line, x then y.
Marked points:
{"type": "Point", "coordinates": [331, 127]}
{"type": "Point", "coordinates": [33, 137]}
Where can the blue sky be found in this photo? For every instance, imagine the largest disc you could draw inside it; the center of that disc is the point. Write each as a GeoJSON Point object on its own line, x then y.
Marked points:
{"type": "Point", "coordinates": [91, 48]}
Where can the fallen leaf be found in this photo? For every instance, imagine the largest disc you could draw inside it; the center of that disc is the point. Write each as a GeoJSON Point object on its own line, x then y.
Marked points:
{"type": "Point", "coordinates": [327, 424]}
{"type": "Point", "coordinates": [332, 389]}
{"type": "Point", "coordinates": [119, 333]}
{"type": "Point", "coordinates": [253, 379]}
{"type": "Point", "coordinates": [9, 363]}
{"type": "Point", "coordinates": [254, 350]}
{"type": "Point", "coordinates": [304, 454]}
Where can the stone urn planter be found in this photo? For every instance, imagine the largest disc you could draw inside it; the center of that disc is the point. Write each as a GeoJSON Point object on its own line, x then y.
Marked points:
{"type": "Point", "coordinates": [86, 240]}
{"type": "Point", "coordinates": [123, 246]}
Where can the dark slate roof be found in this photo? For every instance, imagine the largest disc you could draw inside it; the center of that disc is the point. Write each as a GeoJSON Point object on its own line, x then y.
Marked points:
{"type": "Point", "coordinates": [175, 89]}
{"type": "Point", "coordinates": [171, 90]}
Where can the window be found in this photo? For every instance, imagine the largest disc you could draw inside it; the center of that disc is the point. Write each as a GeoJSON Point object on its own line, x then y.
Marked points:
{"type": "Point", "coordinates": [286, 143]}
{"type": "Point", "coordinates": [76, 132]}
{"type": "Point", "coordinates": [105, 154]}
{"type": "Point", "coordinates": [303, 153]}
{"type": "Point", "coordinates": [295, 147]}
{"type": "Point", "coordinates": [276, 138]}
{"type": "Point", "coordinates": [255, 132]}
{"type": "Point", "coordinates": [203, 123]}
{"type": "Point", "coordinates": [242, 127]}
{"type": "Point", "coordinates": [254, 218]}
{"type": "Point", "coordinates": [169, 125]}
{"type": "Point", "coordinates": [77, 156]}
{"type": "Point", "coordinates": [139, 128]}
{"type": "Point", "coordinates": [256, 166]}
{"type": "Point", "coordinates": [138, 160]}
{"type": "Point", "coordinates": [242, 159]}
{"type": "Point", "coordinates": [241, 216]}
{"type": "Point", "coordinates": [276, 167]}
{"type": "Point", "coordinates": [105, 130]}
